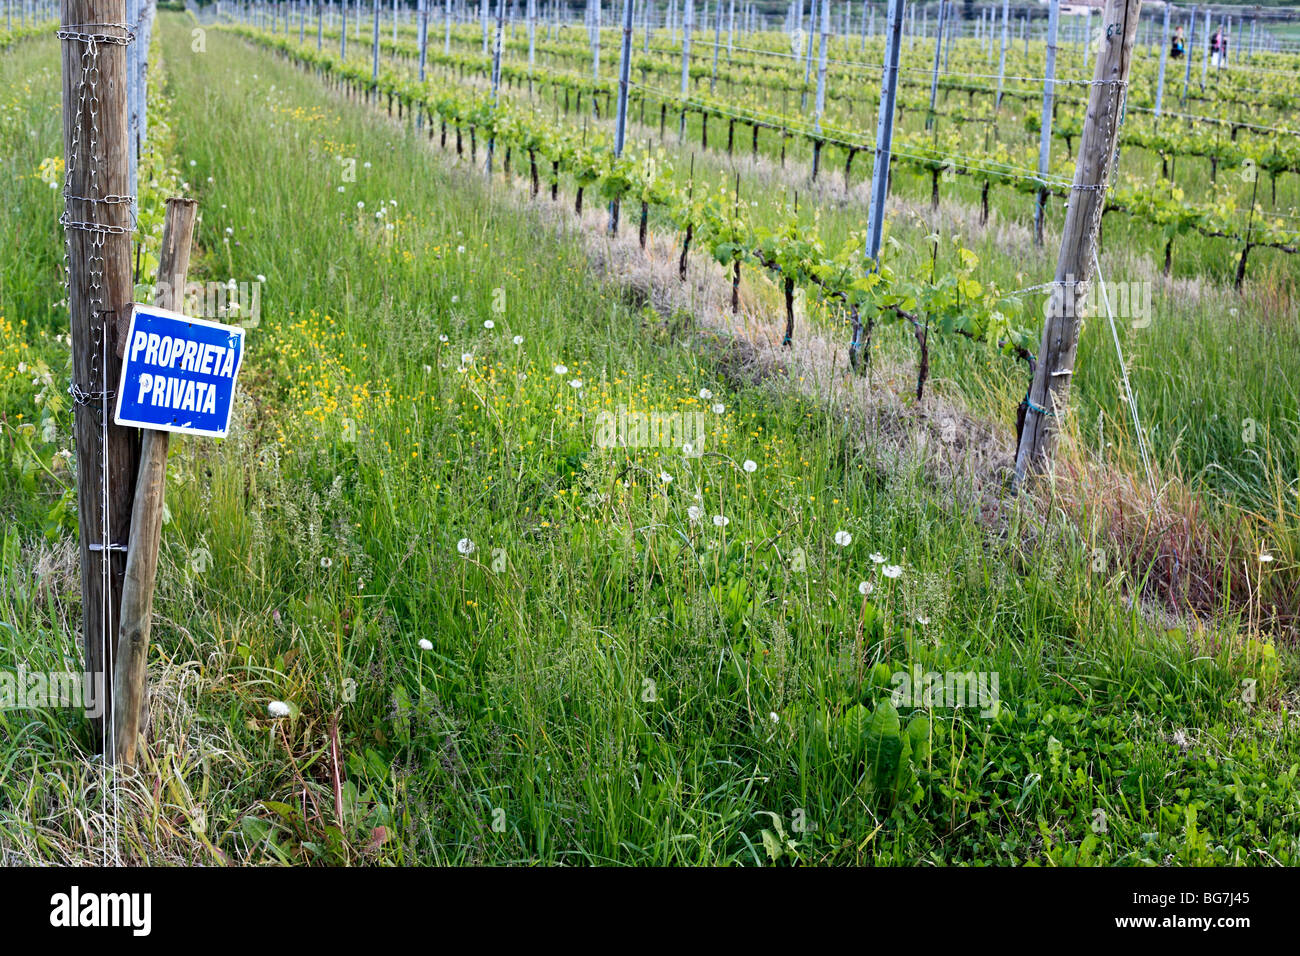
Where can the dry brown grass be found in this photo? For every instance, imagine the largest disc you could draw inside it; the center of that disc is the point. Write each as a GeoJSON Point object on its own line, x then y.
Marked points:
{"type": "Point", "coordinates": [1189, 561]}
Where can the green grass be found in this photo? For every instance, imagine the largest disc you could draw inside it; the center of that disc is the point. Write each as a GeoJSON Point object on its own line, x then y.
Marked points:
{"type": "Point", "coordinates": [609, 681]}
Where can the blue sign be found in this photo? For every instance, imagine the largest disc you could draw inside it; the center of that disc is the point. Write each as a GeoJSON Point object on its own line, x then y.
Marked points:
{"type": "Point", "coordinates": [178, 373]}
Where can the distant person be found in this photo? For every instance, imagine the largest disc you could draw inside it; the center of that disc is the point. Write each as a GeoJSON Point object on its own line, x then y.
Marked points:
{"type": "Point", "coordinates": [1216, 48]}
{"type": "Point", "coordinates": [1178, 45]}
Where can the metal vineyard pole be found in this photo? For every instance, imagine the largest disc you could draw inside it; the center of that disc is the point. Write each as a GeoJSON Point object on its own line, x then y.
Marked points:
{"type": "Point", "coordinates": [320, 24]}
{"type": "Point", "coordinates": [1045, 122]}
{"type": "Point", "coordinates": [97, 223]}
{"type": "Point", "coordinates": [820, 105]}
{"type": "Point", "coordinates": [717, 43]}
{"type": "Point", "coordinates": [497, 40]}
{"type": "Point", "coordinates": [884, 146]}
{"type": "Point", "coordinates": [595, 45]}
{"type": "Point", "coordinates": [1087, 38]}
{"type": "Point", "coordinates": [374, 46]}
{"type": "Point", "coordinates": [1191, 37]}
{"type": "Point", "coordinates": [808, 54]}
{"type": "Point", "coordinates": [446, 43]}
{"type": "Point", "coordinates": [620, 127]}
{"type": "Point", "coordinates": [934, 74]}
{"type": "Point", "coordinates": [144, 31]}
{"type": "Point", "coordinates": [1164, 55]}
{"type": "Point", "coordinates": [688, 21]}
{"type": "Point", "coordinates": [1002, 58]}
{"type": "Point", "coordinates": [1205, 47]}
{"type": "Point", "coordinates": [343, 34]}
{"type": "Point", "coordinates": [954, 27]}
{"type": "Point", "coordinates": [807, 50]}
{"type": "Point", "coordinates": [424, 36]}
{"type": "Point", "coordinates": [1056, 354]}
{"type": "Point", "coordinates": [133, 97]}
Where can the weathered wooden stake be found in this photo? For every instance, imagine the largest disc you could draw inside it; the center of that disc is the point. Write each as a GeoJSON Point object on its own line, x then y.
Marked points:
{"type": "Point", "coordinates": [97, 220]}
{"type": "Point", "coordinates": [1047, 394]}
{"type": "Point", "coordinates": [130, 681]}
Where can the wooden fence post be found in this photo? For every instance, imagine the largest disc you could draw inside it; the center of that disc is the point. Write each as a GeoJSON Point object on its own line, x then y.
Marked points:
{"type": "Point", "coordinates": [97, 221]}
{"type": "Point", "coordinates": [130, 683]}
{"type": "Point", "coordinates": [1047, 394]}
